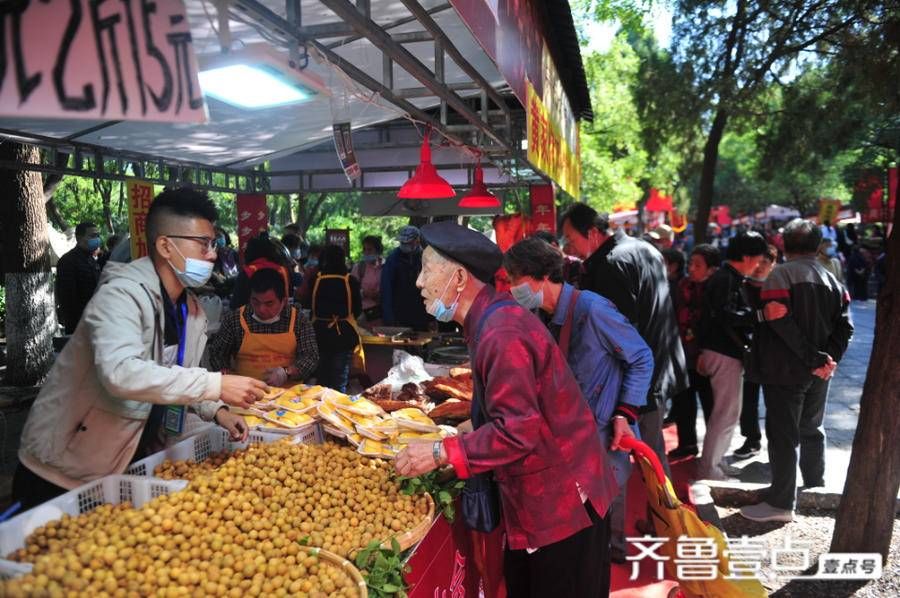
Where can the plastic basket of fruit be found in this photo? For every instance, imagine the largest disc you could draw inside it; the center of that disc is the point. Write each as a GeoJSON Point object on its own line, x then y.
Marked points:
{"type": "Point", "coordinates": [212, 445]}
{"type": "Point", "coordinates": [24, 536]}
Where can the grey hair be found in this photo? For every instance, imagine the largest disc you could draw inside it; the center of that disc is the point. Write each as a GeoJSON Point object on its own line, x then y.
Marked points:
{"type": "Point", "coordinates": [801, 237]}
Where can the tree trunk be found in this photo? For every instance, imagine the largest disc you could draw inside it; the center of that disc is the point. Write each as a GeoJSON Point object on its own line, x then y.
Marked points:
{"type": "Point", "coordinates": [120, 210]}
{"type": "Point", "coordinates": [51, 183]}
{"type": "Point", "coordinates": [106, 195]}
{"type": "Point", "coordinates": [868, 504]}
{"type": "Point", "coordinates": [708, 175]}
{"type": "Point", "coordinates": [30, 313]}
{"type": "Point", "coordinates": [104, 189]}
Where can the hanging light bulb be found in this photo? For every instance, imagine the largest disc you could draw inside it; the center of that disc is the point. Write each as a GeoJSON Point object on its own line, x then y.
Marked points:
{"type": "Point", "coordinates": [479, 196]}
{"type": "Point", "coordinates": [426, 183]}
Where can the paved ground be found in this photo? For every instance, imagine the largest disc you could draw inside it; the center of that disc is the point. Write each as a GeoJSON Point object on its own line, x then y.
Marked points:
{"type": "Point", "coordinates": [841, 413]}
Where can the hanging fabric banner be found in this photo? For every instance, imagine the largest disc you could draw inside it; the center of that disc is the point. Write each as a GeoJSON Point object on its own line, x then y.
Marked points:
{"type": "Point", "coordinates": [543, 209]}
{"type": "Point", "coordinates": [253, 218]}
{"type": "Point", "coordinates": [126, 60]}
{"type": "Point", "coordinates": [140, 196]}
{"type": "Point", "coordinates": [343, 144]}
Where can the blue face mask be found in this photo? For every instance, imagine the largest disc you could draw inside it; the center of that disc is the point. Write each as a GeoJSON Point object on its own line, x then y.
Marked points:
{"type": "Point", "coordinates": [370, 258]}
{"type": "Point", "coordinates": [831, 251]}
{"type": "Point", "coordinates": [441, 311]}
{"type": "Point", "coordinates": [93, 244]}
{"type": "Point", "coordinates": [220, 242]}
{"type": "Point", "coordinates": [526, 297]}
{"type": "Point", "coordinates": [312, 263]}
{"type": "Point", "coordinates": [196, 272]}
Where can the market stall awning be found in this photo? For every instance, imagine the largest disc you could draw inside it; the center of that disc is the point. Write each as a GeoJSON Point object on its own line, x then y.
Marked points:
{"type": "Point", "coordinates": [481, 74]}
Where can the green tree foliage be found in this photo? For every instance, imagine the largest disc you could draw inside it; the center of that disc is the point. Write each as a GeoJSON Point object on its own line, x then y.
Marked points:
{"type": "Point", "coordinates": [732, 53]}
{"type": "Point", "coordinates": [613, 156]}
{"type": "Point", "coordinates": [79, 200]}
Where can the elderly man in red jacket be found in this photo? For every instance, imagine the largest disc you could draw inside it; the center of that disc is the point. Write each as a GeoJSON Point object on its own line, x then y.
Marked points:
{"type": "Point", "coordinates": [536, 434]}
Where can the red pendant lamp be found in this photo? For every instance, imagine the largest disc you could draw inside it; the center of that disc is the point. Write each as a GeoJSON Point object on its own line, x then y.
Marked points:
{"type": "Point", "coordinates": [426, 183]}
{"type": "Point", "coordinates": [479, 196]}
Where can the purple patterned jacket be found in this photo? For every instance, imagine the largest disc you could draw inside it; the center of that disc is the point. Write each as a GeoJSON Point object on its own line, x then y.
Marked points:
{"type": "Point", "coordinates": [540, 440]}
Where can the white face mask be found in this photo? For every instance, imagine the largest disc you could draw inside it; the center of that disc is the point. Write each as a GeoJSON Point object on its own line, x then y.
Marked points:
{"type": "Point", "coordinates": [440, 310]}
{"type": "Point", "coordinates": [269, 321]}
{"type": "Point", "coordinates": [196, 272]}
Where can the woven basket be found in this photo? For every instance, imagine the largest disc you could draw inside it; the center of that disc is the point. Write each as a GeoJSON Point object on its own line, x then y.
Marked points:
{"type": "Point", "coordinates": [410, 538]}
{"type": "Point", "coordinates": [342, 563]}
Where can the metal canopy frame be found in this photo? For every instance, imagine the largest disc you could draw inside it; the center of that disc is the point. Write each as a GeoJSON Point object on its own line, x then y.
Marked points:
{"type": "Point", "coordinates": [71, 157]}
{"type": "Point", "coordinates": [494, 129]}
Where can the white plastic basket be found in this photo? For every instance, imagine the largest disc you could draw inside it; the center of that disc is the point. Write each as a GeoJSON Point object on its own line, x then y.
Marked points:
{"type": "Point", "coordinates": [113, 490]}
{"type": "Point", "coordinates": [199, 447]}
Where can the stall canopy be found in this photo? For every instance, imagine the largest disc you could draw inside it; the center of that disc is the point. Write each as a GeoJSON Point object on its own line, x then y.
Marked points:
{"type": "Point", "coordinates": [483, 75]}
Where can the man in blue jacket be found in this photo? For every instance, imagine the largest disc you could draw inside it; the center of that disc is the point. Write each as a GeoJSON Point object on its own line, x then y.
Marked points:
{"type": "Point", "coordinates": [611, 362]}
{"type": "Point", "coordinates": [401, 304]}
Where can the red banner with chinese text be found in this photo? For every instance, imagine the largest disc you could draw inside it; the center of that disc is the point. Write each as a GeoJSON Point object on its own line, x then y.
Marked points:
{"type": "Point", "coordinates": [140, 196]}
{"type": "Point", "coordinates": [543, 209]}
{"type": "Point", "coordinates": [252, 217]}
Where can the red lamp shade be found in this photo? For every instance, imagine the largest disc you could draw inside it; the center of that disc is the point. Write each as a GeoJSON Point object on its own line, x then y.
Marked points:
{"type": "Point", "coordinates": [426, 183]}
{"type": "Point", "coordinates": [479, 196]}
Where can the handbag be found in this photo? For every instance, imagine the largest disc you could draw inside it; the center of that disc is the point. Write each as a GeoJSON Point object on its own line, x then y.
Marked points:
{"type": "Point", "coordinates": [480, 498]}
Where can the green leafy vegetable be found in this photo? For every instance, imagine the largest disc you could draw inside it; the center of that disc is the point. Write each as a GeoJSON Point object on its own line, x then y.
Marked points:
{"type": "Point", "coordinates": [383, 570]}
{"type": "Point", "coordinates": [443, 491]}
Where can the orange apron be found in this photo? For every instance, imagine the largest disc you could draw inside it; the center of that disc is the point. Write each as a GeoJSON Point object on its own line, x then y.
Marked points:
{"type": "Point", "coordinates": [261, 352]}
{"type": "Point", "coordinates": [359, 356]}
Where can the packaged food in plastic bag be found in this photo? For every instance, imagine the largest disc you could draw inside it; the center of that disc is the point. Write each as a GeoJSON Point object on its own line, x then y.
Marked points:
{"type": "Point", "coordinates": [330, 414]}
{"type": "Point", "coordinates": [288, 419]}
{"type": "Point", "coordinates": [414, 419]}
{"type": "Point", "coordinates": [373, 448]}
{"type": "Point", "coordinates": [357, 404]}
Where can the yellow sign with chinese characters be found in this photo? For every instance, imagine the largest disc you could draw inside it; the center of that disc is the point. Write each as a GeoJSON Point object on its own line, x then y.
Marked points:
{"type": "Point", "coordinates": [140, 196]}
{"type": "Point", "coordinates": [828, 210]}
{"type": "Point", "coordinates": [548, 150]}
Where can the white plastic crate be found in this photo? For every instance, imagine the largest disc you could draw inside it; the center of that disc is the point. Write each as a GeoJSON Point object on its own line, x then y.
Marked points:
{"type": "Point", "coordinates": [113, 490]}
{"type": "Point", "coordinates": [199, 447]}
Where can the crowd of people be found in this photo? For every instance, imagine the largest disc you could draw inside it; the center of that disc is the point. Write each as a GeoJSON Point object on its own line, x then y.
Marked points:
{"type": "Point", "coordinates": [599, 336]}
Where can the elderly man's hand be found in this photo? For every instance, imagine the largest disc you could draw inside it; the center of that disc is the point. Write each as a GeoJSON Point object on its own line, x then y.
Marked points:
{"type": "Point", "coordinates": [465, 427]}
{"type": "Point", "coordinates": [417, 459]}
{"type": "Point", "coordinates": [234, 423]}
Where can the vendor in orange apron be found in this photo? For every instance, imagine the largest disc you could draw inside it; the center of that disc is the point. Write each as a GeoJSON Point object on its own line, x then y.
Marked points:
{"type": "Point", "coordinates": [336, 302]}
{"type": "Point", "coordinates": [260, 354]}
{"type": "Point", "coordinates": [267, 339]}
{"type": "Point", "coordinates": [269, 355]}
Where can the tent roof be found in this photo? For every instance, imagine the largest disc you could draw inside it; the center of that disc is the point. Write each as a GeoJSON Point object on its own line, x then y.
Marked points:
{"type": "Point", "coordinates": [241, 138]}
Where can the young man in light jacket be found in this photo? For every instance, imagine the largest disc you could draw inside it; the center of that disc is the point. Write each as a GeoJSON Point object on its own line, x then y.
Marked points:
{"type": "Point", "coordinates": [132, 364]}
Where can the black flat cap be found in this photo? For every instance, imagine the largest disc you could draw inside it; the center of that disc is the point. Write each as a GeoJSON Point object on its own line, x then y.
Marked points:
{"type": "Point", "coordinates": [477, 253]}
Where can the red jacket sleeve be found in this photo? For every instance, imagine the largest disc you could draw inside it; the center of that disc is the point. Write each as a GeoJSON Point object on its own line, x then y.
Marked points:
{"type": "Point", "coordinates": [508, 361]}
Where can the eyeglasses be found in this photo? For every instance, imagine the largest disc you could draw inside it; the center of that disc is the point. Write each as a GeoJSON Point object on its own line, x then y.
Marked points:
{"type": "Point", "coordinates": [209, 244]}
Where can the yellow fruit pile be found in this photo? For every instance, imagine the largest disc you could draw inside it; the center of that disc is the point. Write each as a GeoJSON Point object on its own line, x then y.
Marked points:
{"type": "Point", "coordinates": [236, 531]}
{"type": "Point", "coordinates": [188, 470]}
{"type": "Point", "coordinates": [68, 531]}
